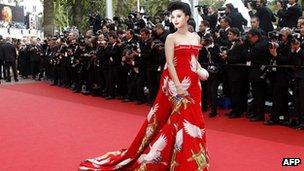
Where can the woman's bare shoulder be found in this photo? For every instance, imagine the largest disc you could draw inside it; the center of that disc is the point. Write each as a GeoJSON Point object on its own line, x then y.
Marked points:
{"type": "Point", "coordinates": [195, 35]}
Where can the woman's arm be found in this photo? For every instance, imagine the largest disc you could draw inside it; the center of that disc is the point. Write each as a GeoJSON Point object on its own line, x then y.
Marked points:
{"type": "Point", "coordinates": [169, 51]}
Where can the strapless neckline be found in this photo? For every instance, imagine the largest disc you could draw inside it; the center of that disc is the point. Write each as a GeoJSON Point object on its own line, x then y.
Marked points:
{"type": "Point", "coordinates": [185, 46]}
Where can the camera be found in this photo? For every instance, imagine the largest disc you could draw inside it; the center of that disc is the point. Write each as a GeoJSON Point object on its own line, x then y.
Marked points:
{"type": "Point", "coordinates": [273, 35]}
{"type": "Point", "coordinates": [253, 3]}
{"type": "Point", "coordinates": [296, 37]}
{"type": "Point", "coordinates": [222, 12]}
{"type": "Point", "coordinates": [203, 8]}
{"type": "Point", "coordinates": [274, 38]}
{"type": "Point", "coordinates": [273, 45]}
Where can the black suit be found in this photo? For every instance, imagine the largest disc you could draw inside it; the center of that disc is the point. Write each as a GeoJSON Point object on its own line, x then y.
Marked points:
{"type": "Point", "coordinates": [155, 63]}
{"type": "Point", "coordinates": [222, 40]}
{"type": "Point", "coordinates": [1, 59]}
{"type": "Point", "coordinates": [34, 53]}
{"type": "Point", "coordinates": [281, 79]}
{"type": "Point", "coordinates": [290, 16]}
{"type": "Point", "coordinates": [237, 20]}
{"type": "Point", "coordinates": [215, 76]}
{"type": "Point", "coordinates": [212, 19]}
{"type": "Point", "coordinates": [258, 55]}
{"type": "Point", "coordinates": [298, 60]}
{"type": "Point", "coordinates": [10, 55]}
{"type": "Point", "coordinates": [237, 78]}
{"type": "Point", "coordinates": [266, 17]}
{"type": "Point", "coordinates": [114, 63]}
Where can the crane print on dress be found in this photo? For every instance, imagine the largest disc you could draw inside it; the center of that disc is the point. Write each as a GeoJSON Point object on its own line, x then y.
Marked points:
{"type": "Point", "coordinates": [151, 127]}
{"type": "Point", "coordinates": [177, 148]}
{"type": "Point", "coordinates": [177, 101]}
{"type": "Point", "coordinates": [154, 155]}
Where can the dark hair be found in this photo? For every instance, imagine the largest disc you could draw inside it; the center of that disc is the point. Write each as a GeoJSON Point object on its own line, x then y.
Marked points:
{"type": "Point", "coordinates": [159, 26]}
{"type": "Point", "coordinates": [145, 30]}
{"type": "Point", "coordinates": [230, 7]}
{"type": "Point", "coordinates": [226, 19]}
{"type": "Point", "coordinates": [205, 23]}
{"type": "Point", "coordinates": [120, 32]}
{"type": "Point", "coordinates": [177, 5]}
{"type": "Point", "coordinates": [131, 32]}
{"type": "Point", "coordinates": [256, 17]}
{"type": "Point", "coordinates": [234, 31]}
{"type": "Point", "coordinates": [255, 32]}
{"type": "Point", "coordinates": [113, 34]}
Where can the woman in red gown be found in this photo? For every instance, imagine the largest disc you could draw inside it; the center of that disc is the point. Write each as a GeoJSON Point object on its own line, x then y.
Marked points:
{"type": "Point", "coordinates": [173, 136]}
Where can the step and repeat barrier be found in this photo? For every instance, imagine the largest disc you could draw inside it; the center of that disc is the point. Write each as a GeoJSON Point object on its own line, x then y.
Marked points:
{"type": "Point", "coordinates": [20, 33]}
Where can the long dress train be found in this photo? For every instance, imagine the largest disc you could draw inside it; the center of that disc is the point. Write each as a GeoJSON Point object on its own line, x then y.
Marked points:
{"type": "Point", "coordinates": [173, 136]}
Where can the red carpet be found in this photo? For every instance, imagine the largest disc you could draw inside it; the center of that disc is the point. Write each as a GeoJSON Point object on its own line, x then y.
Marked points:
{"type": "Point", "coordinates": [49, 128]}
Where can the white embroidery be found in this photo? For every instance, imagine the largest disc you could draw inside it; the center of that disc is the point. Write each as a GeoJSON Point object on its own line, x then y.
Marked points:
{"type": "Point", "coordinates": [152, 112]}
{"type": "Point", "coordinates": [123, 163]}
{"type": "Point", "coordinates": [193, 130]}
{"type": "Point", "coordinates": [179, 140]}
{"type": "Point", "coordinates": [185, 85]}
{"type": "Point", "coordinates": [154, 154]}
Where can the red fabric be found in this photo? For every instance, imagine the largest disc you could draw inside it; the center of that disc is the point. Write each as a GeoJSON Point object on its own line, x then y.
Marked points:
{"type": "Point", "coordinates": [50, 128]}
{"type": "Point", "coordinates": [173, 136]}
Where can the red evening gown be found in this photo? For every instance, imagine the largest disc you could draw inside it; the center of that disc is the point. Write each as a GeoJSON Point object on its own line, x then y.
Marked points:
{"type": "Point", "coordinates": [173, 136]}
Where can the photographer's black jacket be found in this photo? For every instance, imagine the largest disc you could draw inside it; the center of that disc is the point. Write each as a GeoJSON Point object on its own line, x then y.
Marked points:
{"type": "Point", "coordinates": [283, 75]}
{"type": "Point", "coordinates": [115, 52]}
{"type": "Point", "coordinates": [237, 20]}
{"type": "Point", "coordinates": [258, 54]}
{"type": "Point", "coordinates": [212, 19]}
{"type": "Point", "coordinates": [298, 60]}
{"type": "Point", "coordinates": [235, 55]}
{"type": "Point", "coordinates": [34, 53]}
{"type": "Point", "coordinates": [266, 17]}
{"type": "Point", "coordinates": [290, 16]}
{"type": "Point", "coordinates": [102, 56]}
{"type": "Point", "coordinates": [145, 51]}
{"type": "Point", "coordinates": [222, 40]}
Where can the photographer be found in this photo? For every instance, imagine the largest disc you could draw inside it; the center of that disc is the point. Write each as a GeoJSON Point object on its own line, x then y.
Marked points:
{"type": "Point", "coordinates": [255, 24]}
{"type": "Point", "coordinates": [114, 63]}
{"type": "Point", "coordinates": [281, 78]}
{"type": "Point", "coordinates": [139, 23]}
{"type": "Point", "coordinates": [160, 33]}
{"type": "Point", "coordinates": [101, 54]}
{"type": "Point", "coordinates": [129, 52]}
{"type": "Point", "coordinates": [281, 6]}
{"type": "Point", "coordinates": [144, 63]}
{"type": "Point", "coordinates": [263, 13]}
{"type": "Point", "coordinates": [140, 64]}
{"type": "Point", "coordinates": [209, 14]}
{"type": "Point", "coordinates": [95, 21]}
{"type": "Point", "coordinates": [10, 57]}
{"type": "Point", "coordinates": [290, 15]}
{"type": "Point", "coordinates": [258, 56]}
{"type": "Point", "coordinates": [297, 57]}
{"type": "Point", "coordinates": [55, 61]}
{"type": "Point", "coordinates": [35, 58]}
{"type": "Point", "coordinates": [237, 75]}
{"type": "Point", "coordinates": [222, 34]}
{"type": "Point", "coordinates": [237, 20]}
{"type": "Point", "coordinates": [204, 28]}
{"type": "Point", "coordinates": [215, 72]}
{"type": "Point", "coordinates": [78, 66]}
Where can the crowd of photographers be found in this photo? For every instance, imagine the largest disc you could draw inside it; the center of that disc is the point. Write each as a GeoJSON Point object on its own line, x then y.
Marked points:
{"type": "Point", "coordinates": [123, 59]}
